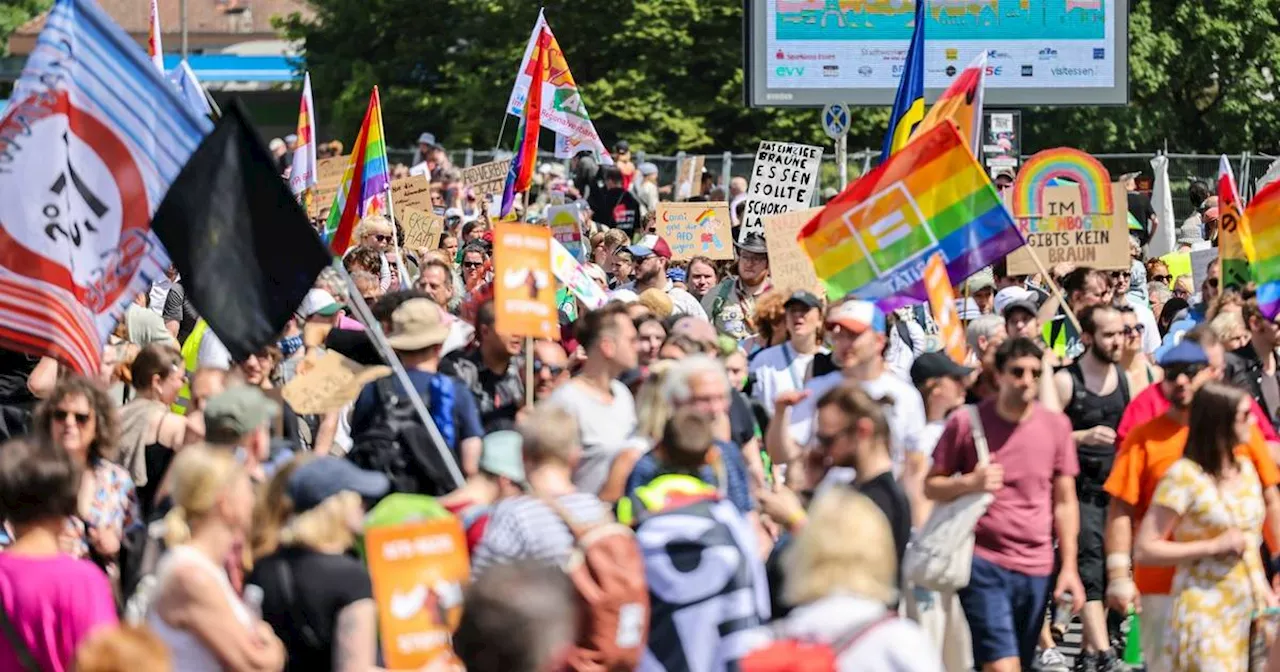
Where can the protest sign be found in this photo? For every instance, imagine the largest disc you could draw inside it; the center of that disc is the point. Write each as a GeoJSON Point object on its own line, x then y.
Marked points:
{"type": "Point", "coordinates": [329, 383]}
{"type": "Point", "coordinates": [419, 571]}
{"type": "Point", "coordinates": [328, 180]}
{"type": "Point", "coordinates": [1179, 264]}
{"type": "Point", "coordinates": [574, 276]}
{"type": "Point", "coordinates": [566, 227]}
{"type": "Point", "coordinates": [1062, 232]}
{"type": "Point", "coordinates": [784, 178]}
{"type": "Point", "coordinates": [411, 192]}
{"type": "Point", "coordinates": [689, 177]}
{"type": "Point", "coordinates": [942, 304]}
{"type": "Point", "coordinates": [696, 229]}
{"type": "Point", "coordinates": [1200, 261]}
{"type": "Point", "coordinates": [524, 291]}
{"type": "Point", "coordinates": [487, 179]}
{"type": "Point", "coordinates": [422, 229]}
{"type": "Point", "coordinates": [789, 267]}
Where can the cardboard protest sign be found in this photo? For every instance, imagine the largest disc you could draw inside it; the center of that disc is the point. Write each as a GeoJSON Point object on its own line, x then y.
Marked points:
{"type": "Point", "coordinates": [566, 227]}
{"type": "Point", "coordinates": [696, 229]}
{"type": "Point", "coordinates": [329, 383]}
{"type": "Point", "coordinates": [689, 177]}
{"type": "Point", "coordinates": [411, 192]}
{"type": "Point", "coordinates": [422, 229]}
{"type": "Point", "coordinates": [1200, 262]}
{"type": "Point", "coordinates": [487, 179]}
{"type": "Point", "coordinates": [942, 304]}
{"type": "Point", "coordinates": [419, 571]}
{"type": "Point", "coordinates": [328, 180]}
{"type": "Point", "coordinates": [789, 267]}
{"type": "Point", "coordinates": [524, 292]}
{"type": "Point", "coordinates": [574, 276]}
{"type": "Point", "coordinates": [783, 179]}
{"type": "Point", "coordinates": [1062, 232]}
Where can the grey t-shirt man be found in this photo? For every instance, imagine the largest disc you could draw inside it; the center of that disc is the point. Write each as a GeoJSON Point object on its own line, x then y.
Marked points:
{"type": "Point", "coordinates": [605, 428]}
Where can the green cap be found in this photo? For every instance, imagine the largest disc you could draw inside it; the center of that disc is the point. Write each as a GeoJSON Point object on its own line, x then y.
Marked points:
{"type": "Point", "coordinates": [237, 411]}
{"type": "Point", "coordinates": [501, 454]}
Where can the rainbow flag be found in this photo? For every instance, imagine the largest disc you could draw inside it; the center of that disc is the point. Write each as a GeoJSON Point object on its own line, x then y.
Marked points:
{"type": "Point", "coordinates": [1235, 244]}
{"type": "Point", "coordinates": [875, 238]}
{"type": "Point", "coordinates": [961, 104]}
{"type": "Point", "coordinates": [366, 176]}
{"type": "Point", "coordinates": [520, 174]}
{"type": "Point", "coordinates": [302, 172]}
{"type": "Point", "coordinates": [1263, 216]}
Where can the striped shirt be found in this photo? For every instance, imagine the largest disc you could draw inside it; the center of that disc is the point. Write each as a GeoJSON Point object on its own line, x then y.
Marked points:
{"type": "Point", "coordinates": [524, 528]}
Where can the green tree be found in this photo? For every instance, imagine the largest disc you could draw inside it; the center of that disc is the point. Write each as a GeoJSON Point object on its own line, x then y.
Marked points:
{"type": "Point", "coordinates": [14, 13]}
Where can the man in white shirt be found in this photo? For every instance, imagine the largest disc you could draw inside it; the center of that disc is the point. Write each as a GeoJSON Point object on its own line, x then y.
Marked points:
{"type": "Point", "coordinates": [652, 256]}
{"type": "Point", "coordinates": [787, 367]}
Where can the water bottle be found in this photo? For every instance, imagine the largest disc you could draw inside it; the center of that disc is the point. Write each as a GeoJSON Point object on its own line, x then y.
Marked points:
{"type": "Point", "coordinates": [1061, 617]}
{"type": "Point", "coordinates": [1133, 640]}
{"type": "Point", "coordinates": [253, 600]}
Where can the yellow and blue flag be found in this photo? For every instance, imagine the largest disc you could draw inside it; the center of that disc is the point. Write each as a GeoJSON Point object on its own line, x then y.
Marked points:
{"type": "Point", "coordinates": [908, 105]}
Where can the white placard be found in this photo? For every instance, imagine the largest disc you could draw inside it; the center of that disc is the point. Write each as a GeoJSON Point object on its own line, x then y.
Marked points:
{"type": "Point", "coordinates": [783, 179]}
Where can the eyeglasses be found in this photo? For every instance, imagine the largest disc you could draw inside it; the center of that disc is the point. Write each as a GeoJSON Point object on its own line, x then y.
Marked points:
{"type": "Point", "coordinates": [539, 366]}
{"type": "Point", "coordinates": [81, 419]}
{"type": "Point", "coordinates": [1162, 278]}
{"type": "Point", "coordinates": [1135, 330]}
{"type": "Point", "coordinates": [1021, 372]}
{"type": "Point", "coordinates": [382, 238]}
{"type": "Point", "coordinates": [1172, 371]}
{"type": "Point", "coordinates": [472, 264]}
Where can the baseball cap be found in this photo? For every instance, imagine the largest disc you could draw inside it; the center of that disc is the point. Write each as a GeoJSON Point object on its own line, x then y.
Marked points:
{"type": "Point", "coordinates": [325, 476]}
{"type": "Point", "coordinates": [428, 139]}
{"type": "Point", "coordinates": [1186, 352]}
{"type": "Point", "coordinates": [983, 279]}
{"type": "Point", "coordinates": [501, 454]}
{"type": "Point", "coordinates": [803, 297]}
{"type": "Point", "coordinates": [857, 316]}
{"type": "Point", "coordinates": [677, 274]}
{"type": "Point", "coordinates": [416, 325]}
{"type": "Point", "coordinates": [1210, 215]}
{"type": "Point", "coordinates": [649, 246]}
{"type": "Point", "coordinates": [1008, 295]}
{"type": "Point", "coordinates": [236, 411]}
{"type": "Point", "coordinates": [932, 365]}
{"type": "Point", "coordinates": [622, 146]}
{"type": "Point", "coordinates": [318, 302]}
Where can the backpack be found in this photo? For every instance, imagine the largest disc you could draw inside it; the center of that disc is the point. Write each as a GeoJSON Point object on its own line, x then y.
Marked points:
{"type": "Point", "coordinates": [607, 571]}
{"type": "Point", "coordinates": [398, 445]}
{"type": "Point", "coordinates": [807, 655]}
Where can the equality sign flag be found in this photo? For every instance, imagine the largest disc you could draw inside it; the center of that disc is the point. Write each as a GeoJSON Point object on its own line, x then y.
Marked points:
{"type": "Point", "coordinates": [91, 141]}
{"type": "Point", "coordinates": [562, 108]}
{"type": "Point", "coordinates": [874, 239]}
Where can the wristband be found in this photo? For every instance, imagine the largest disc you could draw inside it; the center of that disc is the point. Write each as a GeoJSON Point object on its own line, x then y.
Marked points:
{"type": "Point", "coordinates": [1119, 561]}
{"type": "Point", "coordinates": [796, 520]}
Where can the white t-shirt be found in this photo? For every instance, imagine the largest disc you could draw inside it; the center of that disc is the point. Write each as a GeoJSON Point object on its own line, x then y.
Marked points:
{"type": "Point", "coordinates": [213, 354]}
{"type": "Point", "coordinates": [605, 428]}
{"type": "Point", "coordinates": [779, 369]}
{"type": "Point", "coordinates": [900, 355]}
{"type": "Point", "coordinates": [906, 415]}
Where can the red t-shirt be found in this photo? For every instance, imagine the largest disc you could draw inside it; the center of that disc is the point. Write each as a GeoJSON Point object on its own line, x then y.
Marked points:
{"type": "Point", "coordinates": [1151, 404]}
{"type": "Point", "coordinates": [1016, 532]}
{"type": "Point", "coordinates": [472, 525]}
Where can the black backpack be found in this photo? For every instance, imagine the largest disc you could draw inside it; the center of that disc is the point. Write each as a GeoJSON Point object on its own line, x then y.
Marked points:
{"type": "Point", "coordinates": [398, 445]}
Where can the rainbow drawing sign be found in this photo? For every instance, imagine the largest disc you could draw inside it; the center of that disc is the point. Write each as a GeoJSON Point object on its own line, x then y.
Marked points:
{"type": "Point", "coordinates": [1069, 211]}
{"type": "Point", "coordinates": [695, 229]}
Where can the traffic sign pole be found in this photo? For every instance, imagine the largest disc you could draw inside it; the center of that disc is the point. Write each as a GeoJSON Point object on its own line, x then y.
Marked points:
{"type": "Point", "coordinates": [842, 156]}
{"type": "Point", "coordinates": [835, 122]}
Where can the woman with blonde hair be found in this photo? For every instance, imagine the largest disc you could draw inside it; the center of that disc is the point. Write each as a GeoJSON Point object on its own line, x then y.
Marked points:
{"type": "Point", "coordinates": [318, 598]}
{"type": "Point", "coordinates": [840, 574]}
{"type": "Point", "coordinates": [194, 609]}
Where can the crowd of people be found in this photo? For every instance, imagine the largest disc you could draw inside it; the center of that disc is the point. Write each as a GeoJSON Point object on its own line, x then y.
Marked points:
{"type": "Point", "coordinates": [771, 455]}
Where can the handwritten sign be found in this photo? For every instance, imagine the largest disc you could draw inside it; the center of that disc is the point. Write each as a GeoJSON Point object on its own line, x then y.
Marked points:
{"type": "Point", "coordinates": [566, 227]}
{"type": "Point", "coordinates": [789, 267]}
{"type": "Point", "coordinates": [783, 179]}
{"type": "Point", "coordinates": [942, 302]}
{"type": "Point", "coordinates": [487, 179]}
{"type": "Point", "coordinates": [419, 571]}
{"type": "Point", "coordinates": [689, 177]}
{"type": "Point", "coordinates": [333, 381]}
{"type": "Point", "coordinates": [422, 228]}
{"type": "Point", "coordinates": [328, 179]}
{"type": "Point", "coordinates": [696, 229]}
{"type": "Point", "coordinates": [524, 290]}
{"type": "Point", "coordinates": [1064, 233]}
{"type": "Point", "coordinates": [411, 192]}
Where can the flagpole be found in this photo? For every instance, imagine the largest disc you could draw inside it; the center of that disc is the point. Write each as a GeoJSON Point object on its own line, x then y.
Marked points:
{"type": "Point", "coordinates": [501, 130]}
{"type": "Point", "coordinates": [374, 329]}
{"type": "Point", "coordinates": [405, 280]}
{"type": "Point", "coordinates": [528, 340]}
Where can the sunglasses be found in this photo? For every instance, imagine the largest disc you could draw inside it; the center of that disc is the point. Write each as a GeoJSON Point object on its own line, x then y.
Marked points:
{"type": "Point", "coordinates": [1172, 371]}
{"type": "Point", "coordinates": [382, 238]}
{"type": "Point", "coordinates": [539, 366]}
{"type": "Point", "coordinates": [472, 264]}
{"type": "Point", "coordinates": [1116, 275]}
{"type": "Point", "coordinates": [1135, 330]}
{"type": "Point", "coordinates": [81, 419]}
{"type": "Point", "coordinates": [1162, 278]}
{"type": "Point", "coordinates": [1020, 372]}
{"type": "Point", "coordinates": [825, 441]}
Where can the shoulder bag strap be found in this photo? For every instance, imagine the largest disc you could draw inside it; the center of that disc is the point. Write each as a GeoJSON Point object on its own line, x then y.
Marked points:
{"type": "Point", "coordinates": [845, 643]}
{"type": "Point", "coordinates": [979, 435]}
{"type": "Point", "coordinates": [25, 658]}
{"type": "Point", "coordinates": [1122, 379]}
{"type": "Point", "coordinates": [285, 573]}
{"type": "Point", "coordinates": [576, 529]}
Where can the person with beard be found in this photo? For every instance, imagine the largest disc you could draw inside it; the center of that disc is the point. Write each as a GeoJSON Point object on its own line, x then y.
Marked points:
{"type": "Point", "coordinates": [1095, 390]}
{"type": "Point", "coordinates": [731, 305]}
{"type": "Point", "coordinates": [1031, 473]}
{"type": "Point", "coordinates": [1144, 456]}
{"type": "Point", "coordinates": [652, 256]}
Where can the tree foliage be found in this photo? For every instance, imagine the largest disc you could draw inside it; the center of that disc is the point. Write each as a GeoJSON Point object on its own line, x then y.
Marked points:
{"type": "Point", "coordinates": [667, 75]}
{"type": "Point", "coordinates": [14, 13]}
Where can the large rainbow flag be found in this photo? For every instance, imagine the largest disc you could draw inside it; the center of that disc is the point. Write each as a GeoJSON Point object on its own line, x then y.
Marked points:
{"type": "Point", "coordinates": [366, 177]}
{"type": "Point", "coordinates": [520, 173]}
{"type": "Point", "coordinates": [1263, 216]}
{"type": "Point", "coordinates": [875, 238]}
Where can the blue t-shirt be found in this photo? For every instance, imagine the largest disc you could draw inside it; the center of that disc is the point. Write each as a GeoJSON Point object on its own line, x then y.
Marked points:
{"type": "Point", "coordinates": [735, 471]}
{"type": "Point", "coordinates": [465, 416]}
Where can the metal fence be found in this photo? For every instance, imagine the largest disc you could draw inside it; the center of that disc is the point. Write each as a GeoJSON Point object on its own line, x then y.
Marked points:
{"type": "Point", "coordinates": [1183, 168]}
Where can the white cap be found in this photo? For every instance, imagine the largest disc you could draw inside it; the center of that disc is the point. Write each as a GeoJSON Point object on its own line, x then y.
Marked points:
{"type": "Point", "coordinates": [318, 302]}
{"type": "Point", "coordinates": [624, 295]}
{"type": "Point", "coordinates": [968, 309]}
{"type": "Point", "coordinates": [1008, 295]}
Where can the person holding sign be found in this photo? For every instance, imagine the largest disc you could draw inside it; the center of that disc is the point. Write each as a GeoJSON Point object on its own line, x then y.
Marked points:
{"type": "Point", "coordinates": [731, 305]}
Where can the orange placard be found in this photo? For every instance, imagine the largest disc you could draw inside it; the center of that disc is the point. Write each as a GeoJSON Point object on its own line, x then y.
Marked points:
{"type": "Point", "coordinates": [943, 303]}
{"type": "Point", "coordinates": [524, 290]}
{"type": "Point", "coordinates": [419, 571]}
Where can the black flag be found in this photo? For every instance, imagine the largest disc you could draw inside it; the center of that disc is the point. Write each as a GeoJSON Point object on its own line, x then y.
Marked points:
{"type": "Point", "coordinates": [243, 245]}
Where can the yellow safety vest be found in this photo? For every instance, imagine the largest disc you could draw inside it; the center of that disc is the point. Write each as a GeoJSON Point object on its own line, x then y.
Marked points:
{"type": "Point", "coordinates": [653, 495]}
{"type": "Point", "coordinates": [190, 361]}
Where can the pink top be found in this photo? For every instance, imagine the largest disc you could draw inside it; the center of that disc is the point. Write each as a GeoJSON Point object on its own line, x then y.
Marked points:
{"type": "Point", "coordinates": [345, 322]}
{"type": "Point", "coordinates": [54, 603]}
{"type": "Point", "coordinates": [1017, 531]}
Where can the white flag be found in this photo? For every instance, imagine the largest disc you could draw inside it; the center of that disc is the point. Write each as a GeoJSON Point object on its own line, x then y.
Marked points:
{"type": "Point", "coordinates": [302, 174]}
{"type": "Point", "coordinates": [1165, 236]}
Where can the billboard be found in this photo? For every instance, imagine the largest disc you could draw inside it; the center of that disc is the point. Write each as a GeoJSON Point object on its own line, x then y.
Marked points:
{"type": "Point", "coordinates": [1039, 52]}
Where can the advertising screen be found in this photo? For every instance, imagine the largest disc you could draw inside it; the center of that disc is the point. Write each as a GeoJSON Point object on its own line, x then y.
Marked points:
{"type": "Point", "coordinates": [1039, 52]}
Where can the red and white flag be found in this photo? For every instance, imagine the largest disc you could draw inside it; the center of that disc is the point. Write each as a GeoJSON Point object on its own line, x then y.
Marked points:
{"type": "Point", "coordinates": [302, 172]}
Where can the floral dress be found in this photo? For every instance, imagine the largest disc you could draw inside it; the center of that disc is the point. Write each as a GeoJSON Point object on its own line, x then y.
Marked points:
{"type": "Point", "coordinates": [114, 506]}
{"type": "Point", "coordinates": [1213, 598]}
